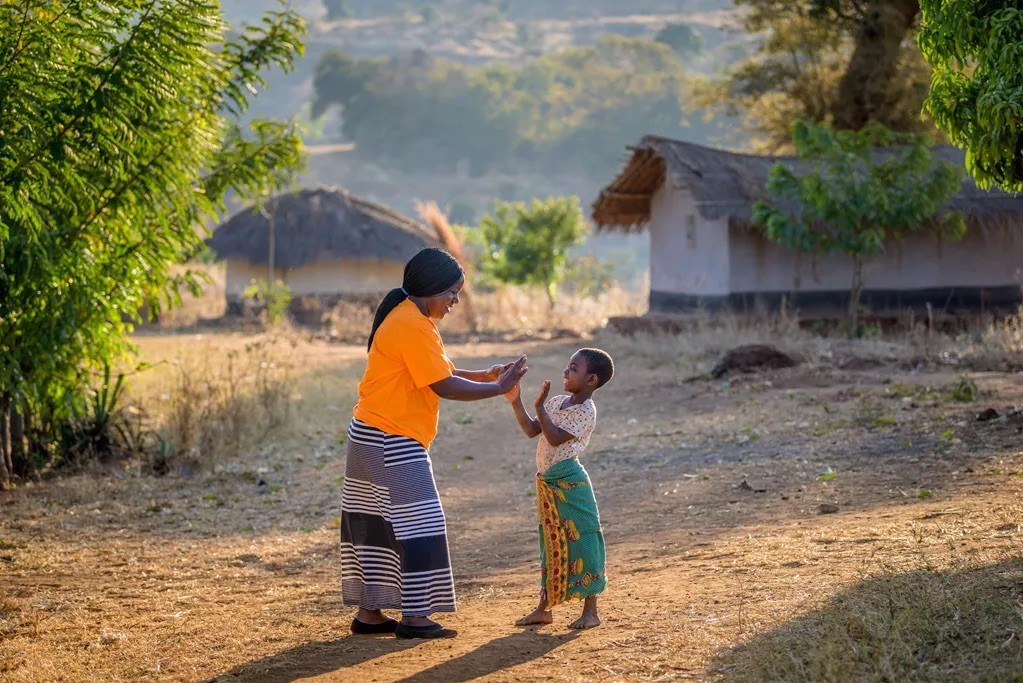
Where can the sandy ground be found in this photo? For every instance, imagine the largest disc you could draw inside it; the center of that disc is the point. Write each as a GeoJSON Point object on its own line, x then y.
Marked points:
{"type": "Point", "coordinates": [711, 496]}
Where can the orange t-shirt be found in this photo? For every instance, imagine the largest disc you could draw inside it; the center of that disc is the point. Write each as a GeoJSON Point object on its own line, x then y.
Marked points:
{"type": "Point", "coordinates": [407, 356]}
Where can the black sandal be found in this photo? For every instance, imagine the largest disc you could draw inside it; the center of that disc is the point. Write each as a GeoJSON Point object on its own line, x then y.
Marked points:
{"type": "Point", "coordinates": [362, 628]}
{"type": "Point", "coordinates": [431, 631]}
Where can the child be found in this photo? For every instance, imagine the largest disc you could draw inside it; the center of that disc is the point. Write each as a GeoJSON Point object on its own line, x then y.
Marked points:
{"type": "Point", "coordinates": [571, 542]}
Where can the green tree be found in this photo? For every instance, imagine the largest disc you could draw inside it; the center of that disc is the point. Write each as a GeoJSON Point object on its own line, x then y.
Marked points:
{"type": "Point", "coordinates": [571, 110]}
{"type": "Point", "coordinates": [860, 190]}
{"type": "Point", "coordinates": [528, 244]}
{"type": "Point", "coordinates": [843, 62]}
{"type": "Point", "coordinates": [976, 94]}
{"type": "Point", "coordinates": [682, 38]}
{"type": "Point", "coordinates": [118, 136]}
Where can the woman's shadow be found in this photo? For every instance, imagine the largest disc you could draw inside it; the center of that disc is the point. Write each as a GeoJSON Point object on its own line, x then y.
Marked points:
{"type": "Point", "coordinates": [324, 657]}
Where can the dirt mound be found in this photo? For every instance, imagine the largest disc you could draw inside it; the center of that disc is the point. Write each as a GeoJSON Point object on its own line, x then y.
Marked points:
{"type": "Point", "coordinates": [751, 358]}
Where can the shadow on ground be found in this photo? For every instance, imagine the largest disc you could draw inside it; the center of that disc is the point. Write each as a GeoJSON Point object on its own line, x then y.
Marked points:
{"type": "Point", "coordinates": [314, 659]}
{"type": "Point", "coordinates": [335, 657]}
{"type": "Point", "coordinates": [921, 625]}
{"type": "Point", "coordinates": [499, 654]}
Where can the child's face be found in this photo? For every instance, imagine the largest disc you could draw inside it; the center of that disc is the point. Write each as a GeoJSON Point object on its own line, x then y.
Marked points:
{"type": "Point", "coordinates": [576, 375]}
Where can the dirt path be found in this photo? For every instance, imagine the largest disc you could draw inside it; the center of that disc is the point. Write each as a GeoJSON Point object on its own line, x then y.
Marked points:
{"type": "Point", "coordinates": [710, 494]}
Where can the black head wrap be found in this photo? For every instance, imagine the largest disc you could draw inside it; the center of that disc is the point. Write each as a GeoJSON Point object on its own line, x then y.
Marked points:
{"type": "Point", "coordinates": [428, 273]}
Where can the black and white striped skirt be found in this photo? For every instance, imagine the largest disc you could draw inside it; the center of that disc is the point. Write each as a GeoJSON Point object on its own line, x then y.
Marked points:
{"type": "Point", "coordinates": [394, 545]}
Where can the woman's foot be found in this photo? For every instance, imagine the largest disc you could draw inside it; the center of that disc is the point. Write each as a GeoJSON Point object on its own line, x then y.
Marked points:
{"type": "Point", "coordinates": [372, 621]}
{"type": "Point", "coordinates": [421, 627]}
{"type": "Point", "coordinates": [537, 616]}
{"type": "Point", "coordinates": [372, 616]}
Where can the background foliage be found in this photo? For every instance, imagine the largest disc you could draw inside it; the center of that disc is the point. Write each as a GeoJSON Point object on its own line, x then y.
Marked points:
{"type": "Point", "coordinates": [528, 244]}
{"type": "Point", "coordinates": [976, 95]}
{"type": "Point", "coordinates": [110, 156]}
{"type": "Point", "coordinates": [571, 110]}
{"type": "Point", "coordinates": [842, 62]}
{"type": "Point", "coordinates": [855, 197]}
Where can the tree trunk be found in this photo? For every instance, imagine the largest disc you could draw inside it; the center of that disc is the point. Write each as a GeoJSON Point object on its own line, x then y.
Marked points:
{"type": "Point", "coordinates": [5, 443]}
{"type": "Point", "coordinates": [864, 93]}
{"type": "Point", "coordinates": [854, 296]}
{"type": "Point", "coordinates": [18, 461]}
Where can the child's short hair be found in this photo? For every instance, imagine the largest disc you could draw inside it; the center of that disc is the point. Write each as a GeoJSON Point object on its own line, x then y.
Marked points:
{"type": "Point", "coordinates": [598, 361]}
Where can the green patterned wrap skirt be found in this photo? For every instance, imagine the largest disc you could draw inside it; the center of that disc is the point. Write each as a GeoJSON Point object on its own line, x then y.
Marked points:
{"type": "Point", "coordinates": [571, 541]}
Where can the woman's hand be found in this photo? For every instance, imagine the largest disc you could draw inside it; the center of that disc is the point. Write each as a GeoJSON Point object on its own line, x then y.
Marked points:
{"type": "Point", "coordinates": [495, 371]}
{"type": "Point", "coordinates": [511, 374]}
{"type": "Point", "coordinates": [542, 396]}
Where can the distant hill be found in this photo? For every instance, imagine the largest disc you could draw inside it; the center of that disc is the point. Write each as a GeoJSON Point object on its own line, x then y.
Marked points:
{"type": "Point", "coordinates": [247, 11]}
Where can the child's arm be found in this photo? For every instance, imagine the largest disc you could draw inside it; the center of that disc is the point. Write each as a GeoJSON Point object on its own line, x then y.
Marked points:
{"type": "Point", "coordinates": [529, 425]}
{"type": "Point", "coordinates": [554, 434]}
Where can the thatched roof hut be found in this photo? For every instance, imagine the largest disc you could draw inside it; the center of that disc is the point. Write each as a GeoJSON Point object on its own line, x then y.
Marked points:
{"type": "Point", "coordinates": [326, 241]}
{"type": "Point", "coordinates": [316, 224]}
{"type": "Point", "coordinates": [727, 184]}
{"type": "Point", "coordinates": [697, 204]}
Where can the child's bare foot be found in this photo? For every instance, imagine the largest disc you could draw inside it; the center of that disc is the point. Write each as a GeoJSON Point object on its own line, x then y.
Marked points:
{"type": "Point", "coordinates": [537, 616]}
{"type": "Point", "coordinates": [587, 620]}
{"type": "Point", "coordinates": [589, 617]}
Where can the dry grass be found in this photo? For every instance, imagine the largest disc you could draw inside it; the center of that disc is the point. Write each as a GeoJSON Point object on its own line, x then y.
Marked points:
{"type": "Point", "coordinates": [937, 616]}
{"type": "Point", "coordinates": [507, 310]}
{"type": "Point", "coordinates": [517, 309]}
{"type": "Point", "coordinates": [993, 345]}
{"type": "Point", "coordinates": [219, 404]}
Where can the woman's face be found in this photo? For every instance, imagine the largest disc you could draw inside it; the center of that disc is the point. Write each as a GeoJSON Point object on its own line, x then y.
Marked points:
{"type": "Point", "coordinates": [440, 305]}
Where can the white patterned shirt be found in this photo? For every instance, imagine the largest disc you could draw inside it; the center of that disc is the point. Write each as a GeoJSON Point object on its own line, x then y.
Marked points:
{"type": "Point", "coordinates": [578, 420]}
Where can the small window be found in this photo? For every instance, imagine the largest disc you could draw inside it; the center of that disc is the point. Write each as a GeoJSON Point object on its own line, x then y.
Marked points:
{"type": "Point", "coordinates": [691, 231]}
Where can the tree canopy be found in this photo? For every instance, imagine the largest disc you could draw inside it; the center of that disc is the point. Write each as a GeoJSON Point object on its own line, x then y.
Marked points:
{"type": "Point", "coordinates": [976, 94]}
{"type": "Point", "coordinates": [842, 62]}
{"type": "Point", "coordinates": [528, 244]}
{"type": "Point", "coordinates": [117, 140]}
{"type": "Point", "coordinates": [575, 109]}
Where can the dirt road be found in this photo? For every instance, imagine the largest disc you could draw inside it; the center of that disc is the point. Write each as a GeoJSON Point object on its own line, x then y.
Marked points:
{"type": "Point", "coordinates": [733, 509]}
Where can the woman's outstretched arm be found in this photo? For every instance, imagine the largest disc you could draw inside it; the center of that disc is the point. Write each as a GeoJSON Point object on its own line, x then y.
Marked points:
{"type": "Point", "coordinates": [489, 375]}
{"type": "Point", "coordinates": [458, 388]}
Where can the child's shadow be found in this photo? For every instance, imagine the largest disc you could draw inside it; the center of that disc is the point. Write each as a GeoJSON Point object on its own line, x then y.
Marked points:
{"type": "Point", "coordinates": [493, 656]}
{"type": "Point", "coordinates": [318, 658]}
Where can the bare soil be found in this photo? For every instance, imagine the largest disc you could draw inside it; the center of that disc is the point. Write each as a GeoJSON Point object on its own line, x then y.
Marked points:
{"type": "Point", "coordinates": [731, 507]}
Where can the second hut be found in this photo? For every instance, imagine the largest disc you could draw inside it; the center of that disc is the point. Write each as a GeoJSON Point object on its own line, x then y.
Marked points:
{"type": "Point", "coordinates": [322, 242]}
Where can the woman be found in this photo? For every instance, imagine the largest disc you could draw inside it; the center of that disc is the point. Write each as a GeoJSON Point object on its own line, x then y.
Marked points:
{"type": "Point", "coordinates": [394, 551]}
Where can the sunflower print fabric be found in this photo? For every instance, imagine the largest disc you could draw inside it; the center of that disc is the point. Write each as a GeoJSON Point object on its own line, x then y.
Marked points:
{"type": "Point", "coordinates": [572, 551]}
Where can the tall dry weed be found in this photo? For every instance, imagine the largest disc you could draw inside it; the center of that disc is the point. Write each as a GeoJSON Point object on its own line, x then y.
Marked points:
{"type": "Point", "coordinates": [438, 220]}
{"type": "Point", "coordinates": [217, 407]}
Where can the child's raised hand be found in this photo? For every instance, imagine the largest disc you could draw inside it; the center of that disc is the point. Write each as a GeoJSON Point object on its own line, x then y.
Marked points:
{"type": "Point", "coordinates": [513, 395]}
{"type": "Point", "coordinates": [542, 396]}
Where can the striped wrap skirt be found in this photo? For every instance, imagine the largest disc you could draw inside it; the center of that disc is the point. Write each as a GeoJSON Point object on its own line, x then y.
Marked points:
{"type": "Point", "coordinates": [394, 546]}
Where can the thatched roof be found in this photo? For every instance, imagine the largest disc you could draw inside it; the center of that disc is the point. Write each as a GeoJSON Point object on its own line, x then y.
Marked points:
{"type": "Point", "coordinates": [317, 224]}
{"type": "Point", "coordinates": [728, 184]}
